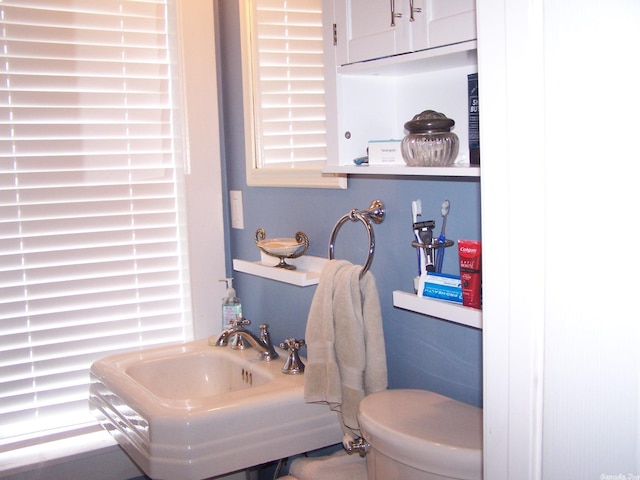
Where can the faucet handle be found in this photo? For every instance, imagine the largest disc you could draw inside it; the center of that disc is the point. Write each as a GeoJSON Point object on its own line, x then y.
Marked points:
{"type": "Point", "coordinates": [292, 344]}
{"type": "Point", "coordinates": [293, 365]}
{"type": "Point", "coordinates": [236, 342]}
{"type": "Point", "coordinates": [239, 321]}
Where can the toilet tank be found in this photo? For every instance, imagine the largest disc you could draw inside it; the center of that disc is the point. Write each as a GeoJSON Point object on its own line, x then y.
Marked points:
{"type": "Point", "coordinates": [421, 435]}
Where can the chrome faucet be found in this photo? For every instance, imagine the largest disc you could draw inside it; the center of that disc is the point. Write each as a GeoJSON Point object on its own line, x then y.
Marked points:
{"type": "Point", "coordinates": [238, 333]}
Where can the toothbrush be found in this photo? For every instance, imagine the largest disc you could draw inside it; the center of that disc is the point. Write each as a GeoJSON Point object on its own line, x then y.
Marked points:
{"type": "Point", "coordinates": [444, 210]}
{"type": "Point", "coordinates": [416, 211]}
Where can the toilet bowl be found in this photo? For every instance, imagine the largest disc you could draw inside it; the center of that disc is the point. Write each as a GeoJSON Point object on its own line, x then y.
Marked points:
{"type": "Point", "coordinates": [412, 435]}
{"type": "Point", "coordinates": [420, 435]}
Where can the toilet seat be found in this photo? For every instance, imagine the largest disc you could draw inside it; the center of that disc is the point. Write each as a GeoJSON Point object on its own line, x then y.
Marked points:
{"type": "Point", "coordinates": [424, 430]}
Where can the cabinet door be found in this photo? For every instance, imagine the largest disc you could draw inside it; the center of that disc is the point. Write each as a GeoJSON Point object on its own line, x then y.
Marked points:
{"type": "Point", "coordinates": [366, 29]}
{"type": "Point", "coordinates": [441, 22]}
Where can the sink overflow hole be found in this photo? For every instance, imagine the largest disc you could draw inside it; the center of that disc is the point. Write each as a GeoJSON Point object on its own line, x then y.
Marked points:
{"type": "Point", "coordinates": [247, 377]}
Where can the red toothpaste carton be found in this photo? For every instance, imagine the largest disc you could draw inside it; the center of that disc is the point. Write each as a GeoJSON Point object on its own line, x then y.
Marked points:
{"type": "Point", "coordinates": [470, 254]}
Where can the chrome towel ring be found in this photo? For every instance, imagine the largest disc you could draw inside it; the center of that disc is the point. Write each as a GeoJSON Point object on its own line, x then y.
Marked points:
{"type": "Point", "coordinates": [375, 213]}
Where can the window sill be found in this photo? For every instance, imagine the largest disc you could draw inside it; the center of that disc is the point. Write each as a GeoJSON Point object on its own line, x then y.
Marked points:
{"type": "Point", "coordinates": [65, 451]}
{"type": "Point", "coordinates": [294, 177]}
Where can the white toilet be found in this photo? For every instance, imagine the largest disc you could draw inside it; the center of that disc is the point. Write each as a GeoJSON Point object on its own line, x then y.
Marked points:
{"type": "Point", "coordinates": [413, 435]}
{"type": "Point", "coordinates": [420, 435]}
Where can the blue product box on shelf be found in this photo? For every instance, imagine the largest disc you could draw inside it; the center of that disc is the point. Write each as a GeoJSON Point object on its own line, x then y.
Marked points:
{"type": "Point", "coordinates": [474, 119]}
{"type": "Point", "coordinates": [441, 286]}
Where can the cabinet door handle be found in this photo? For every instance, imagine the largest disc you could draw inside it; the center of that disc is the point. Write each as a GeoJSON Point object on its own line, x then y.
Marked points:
{"type": "Point", "coordinates": [413, 10]}
{"type": "Point", "coordinates": [394, 15]}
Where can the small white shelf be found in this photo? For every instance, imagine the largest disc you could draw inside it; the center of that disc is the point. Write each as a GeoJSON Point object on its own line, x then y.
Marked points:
{"type": "Point", "coordinates": [453, 171]}
{"type": "Point", "coordinates": [452, 312]}
{"type": "Point", "coordinates": [439, 58]}
{"type": "Point", "coordinates": [308, 269]}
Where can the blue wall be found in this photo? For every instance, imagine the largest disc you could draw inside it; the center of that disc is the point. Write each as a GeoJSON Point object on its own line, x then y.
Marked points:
{"type": "Point", "coordinates": [422, 352]}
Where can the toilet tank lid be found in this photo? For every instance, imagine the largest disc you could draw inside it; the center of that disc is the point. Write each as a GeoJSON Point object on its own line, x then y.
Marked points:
{"type": "Point", "coordinates": [424, 429]}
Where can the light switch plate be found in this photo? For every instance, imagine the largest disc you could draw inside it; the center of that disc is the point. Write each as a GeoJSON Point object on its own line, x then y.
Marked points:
{"type": "Point", "coordinates": [237, 215]}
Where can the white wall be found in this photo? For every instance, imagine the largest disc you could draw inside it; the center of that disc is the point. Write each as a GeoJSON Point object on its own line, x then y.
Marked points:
{"type": "Point", "coordinates": [561, 356]}
{"type": "Point", "coordinates": [204, 184]}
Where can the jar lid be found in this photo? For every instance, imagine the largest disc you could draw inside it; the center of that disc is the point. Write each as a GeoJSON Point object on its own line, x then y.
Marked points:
{"type": "Point", "coordinates": [429, 121]}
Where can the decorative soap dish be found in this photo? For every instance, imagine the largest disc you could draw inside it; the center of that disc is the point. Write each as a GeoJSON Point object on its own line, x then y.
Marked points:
{"type": "Point", "coordinates": [282, 248]}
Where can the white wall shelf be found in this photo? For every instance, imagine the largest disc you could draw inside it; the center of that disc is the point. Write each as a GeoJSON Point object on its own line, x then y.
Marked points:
{"type": "Point", "coordinates": [307, 273]}
{"type": "Point", "coordinates": [449, 311]}
{"type": "Point", "coordinates": [376, 98]}
{"type": "Point", "coordinates": [453, 171]}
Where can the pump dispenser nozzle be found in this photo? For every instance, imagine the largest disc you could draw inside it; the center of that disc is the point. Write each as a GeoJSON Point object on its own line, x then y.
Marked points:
{"type": "Point", "coordinates": [231, 292]}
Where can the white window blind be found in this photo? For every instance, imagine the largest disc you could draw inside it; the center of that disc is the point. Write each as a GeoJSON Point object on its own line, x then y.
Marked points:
{"type": "Point", "coordinates": [92, 259]}
{"type": "Point", "coordinates": [289, 83]}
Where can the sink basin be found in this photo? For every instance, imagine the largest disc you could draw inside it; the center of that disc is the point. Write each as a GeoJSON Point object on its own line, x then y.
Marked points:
{"type": "Point", "coordinates": [193, 411]}
{"type": "Point", "coordinates": [195, 376]}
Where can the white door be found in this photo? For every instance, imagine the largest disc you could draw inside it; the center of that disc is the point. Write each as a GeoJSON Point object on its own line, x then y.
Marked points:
{"type": "Point", "coordinates": [561, 366]}
{"type": "Point", "coordinates": [441, 22]}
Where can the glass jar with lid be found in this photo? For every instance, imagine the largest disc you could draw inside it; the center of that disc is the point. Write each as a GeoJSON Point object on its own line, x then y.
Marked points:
{"type": "Point", "coordinates": [430, 142]}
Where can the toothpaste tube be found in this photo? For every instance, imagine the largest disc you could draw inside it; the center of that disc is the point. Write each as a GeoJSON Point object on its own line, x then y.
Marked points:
{"type": "Point", "coordinates": [470, 255]}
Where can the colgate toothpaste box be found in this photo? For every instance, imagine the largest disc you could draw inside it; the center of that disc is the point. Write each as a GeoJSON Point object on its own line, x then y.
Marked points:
{"type": "Point", "coordinates": [470, 255]}
{"type": "Point", "coordinates": [441, 286]}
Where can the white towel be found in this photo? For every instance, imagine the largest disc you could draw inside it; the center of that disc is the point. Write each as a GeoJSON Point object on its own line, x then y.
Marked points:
{"type": "Point", "coordinates": [346, 358]}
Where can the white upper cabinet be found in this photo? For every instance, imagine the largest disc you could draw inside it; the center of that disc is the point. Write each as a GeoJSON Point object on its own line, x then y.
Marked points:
{"type": "Point", "coordinates": [378, 77]}
{"type": "Point", "coordinates": [371, 29]}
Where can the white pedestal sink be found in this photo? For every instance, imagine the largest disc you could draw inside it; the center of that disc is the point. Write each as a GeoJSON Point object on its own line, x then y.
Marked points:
{"type": "Point", "coordinates": [193, 411]}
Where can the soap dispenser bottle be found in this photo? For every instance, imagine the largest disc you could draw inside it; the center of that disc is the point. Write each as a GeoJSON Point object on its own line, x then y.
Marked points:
{"type": "Point", "coordinates": [231, 306]}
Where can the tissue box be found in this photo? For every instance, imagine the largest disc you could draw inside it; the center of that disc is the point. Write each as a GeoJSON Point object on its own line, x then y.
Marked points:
{"type": "Point", "coordinates": [441, 286]}
{"type": "Point", "coordinates": [385, 152]}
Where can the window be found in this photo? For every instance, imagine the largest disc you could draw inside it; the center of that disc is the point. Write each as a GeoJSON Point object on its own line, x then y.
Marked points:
{"type": "Point", "coordinates": [284, 85]}
{"type": "Point", "coordinates": [92, 249]}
